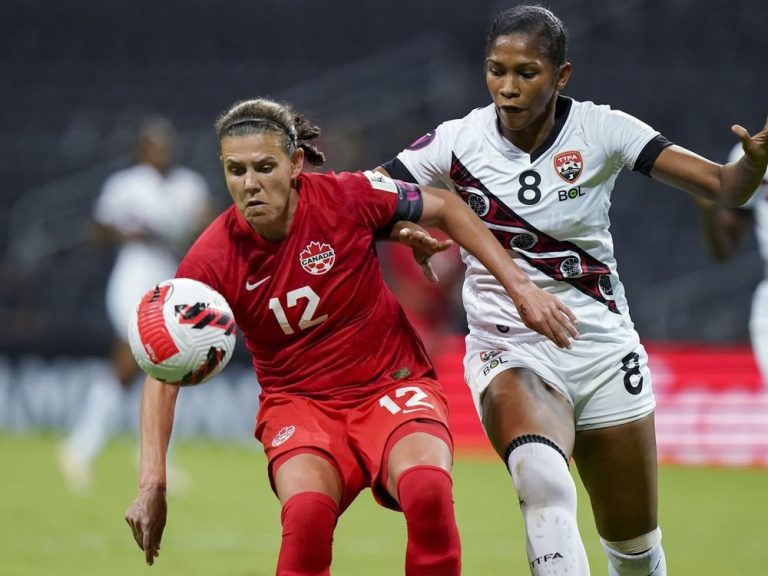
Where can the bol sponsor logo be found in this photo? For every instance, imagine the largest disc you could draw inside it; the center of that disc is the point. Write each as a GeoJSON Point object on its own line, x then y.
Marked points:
{"type": "Point", "coordinates": [492, 365]}
{"type": "Point", "coordinates": [570, 194]}
{"type": "Point", "coordinates": [317, 258]}
{"type": "Point", "coordinates": [283, 435]}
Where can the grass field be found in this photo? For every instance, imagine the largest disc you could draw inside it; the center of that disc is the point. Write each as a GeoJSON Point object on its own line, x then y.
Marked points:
{"type": "Point", "coordinates": [715, 521]}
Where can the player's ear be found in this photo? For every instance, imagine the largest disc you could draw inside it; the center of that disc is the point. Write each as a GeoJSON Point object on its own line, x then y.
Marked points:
{"type": "Point", "coordinates": [563, 75]}
{"type": "Point", "coordinates": [297, 162]}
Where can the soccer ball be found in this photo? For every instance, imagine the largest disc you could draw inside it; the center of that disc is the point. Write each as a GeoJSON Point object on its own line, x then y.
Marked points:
{"type": "Point", "coordinates": [182, 332]}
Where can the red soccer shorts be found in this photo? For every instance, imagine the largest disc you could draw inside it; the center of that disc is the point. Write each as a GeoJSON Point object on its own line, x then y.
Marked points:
{"type": "Point", "coordinates": [351, 434]}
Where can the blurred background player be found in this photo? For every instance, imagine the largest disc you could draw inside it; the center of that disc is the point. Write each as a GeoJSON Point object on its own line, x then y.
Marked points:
{"type": "Point", "coordinates": [151, 211]}
{"type": "Point", "coordinates": [725, 229]}
{"type": "Point", "coordinates": [539, 169]}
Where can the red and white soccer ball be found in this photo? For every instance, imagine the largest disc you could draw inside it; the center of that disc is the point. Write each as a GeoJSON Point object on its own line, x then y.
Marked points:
{"type": "Point", "coordinates": [183, 332]}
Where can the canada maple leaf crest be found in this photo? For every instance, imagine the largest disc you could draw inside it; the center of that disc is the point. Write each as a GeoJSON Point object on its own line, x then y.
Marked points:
{"type": "Point", "coordinates": [317, 258]}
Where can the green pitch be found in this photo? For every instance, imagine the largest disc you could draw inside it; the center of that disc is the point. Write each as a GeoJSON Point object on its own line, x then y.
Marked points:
{"type": "Point", "coordinates": [715, 521]}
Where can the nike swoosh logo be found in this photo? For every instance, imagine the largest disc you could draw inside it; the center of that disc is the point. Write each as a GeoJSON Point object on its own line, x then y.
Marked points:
{"type": "Point", "coordinates": [249, 286]}
{"type": "Point", "coordinates": [409, 410]}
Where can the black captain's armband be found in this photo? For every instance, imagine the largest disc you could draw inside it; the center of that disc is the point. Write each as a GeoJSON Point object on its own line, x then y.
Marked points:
{"type": "Point", "coordinates": [410, 203]}
{"type": "Point", "coordinates": [410, 206]}
{"type": "Point", "coordinates": [649, 153]}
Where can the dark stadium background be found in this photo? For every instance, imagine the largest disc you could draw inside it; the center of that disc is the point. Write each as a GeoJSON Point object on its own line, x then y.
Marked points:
{"type": "Point", "coordinates": [75, 75]}
{"type": "Point", "coordinates": [374, 75]}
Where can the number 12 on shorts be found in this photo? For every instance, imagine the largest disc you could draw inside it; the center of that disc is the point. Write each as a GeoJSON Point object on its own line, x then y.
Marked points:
{"type": "Point", "coordinates": [406, 399]}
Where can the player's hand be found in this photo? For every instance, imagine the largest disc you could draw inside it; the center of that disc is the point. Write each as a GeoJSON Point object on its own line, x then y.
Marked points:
{"type": "Point", "coordinates": [424, 246]}
{"type": "Point", "coordinates": [755, 147]}
{"type": "Point", "coordinates": [546, 314]}
{"type": "Point", "coordinates": [146, 517]}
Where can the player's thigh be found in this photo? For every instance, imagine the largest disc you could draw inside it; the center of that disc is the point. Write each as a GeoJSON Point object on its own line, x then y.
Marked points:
{"type": "Point", "coordinates": [307, 472]}
{"type": "Point", "coordinates": [518, 402]}
{"type": "Point", "coordinates": [619, 470]}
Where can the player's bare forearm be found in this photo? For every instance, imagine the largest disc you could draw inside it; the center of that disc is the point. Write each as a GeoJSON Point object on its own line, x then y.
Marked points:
{"type": "Point", "coordinates": [740, 179]}
{"type": "Point", "coordinates": [158, 407]}
{"type": "Point", "coordinates": [147, 514]}
{"type": "Point", "coordinates": [731, 184]}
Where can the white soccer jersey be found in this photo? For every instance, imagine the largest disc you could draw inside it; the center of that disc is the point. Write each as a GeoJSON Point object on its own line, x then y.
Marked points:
{"type": "Point", "coordinates": [759, 205]}
{"type": "Point", "coordinates": [141, 200]}
{"type": "Point", "coordinates": [549, 208]}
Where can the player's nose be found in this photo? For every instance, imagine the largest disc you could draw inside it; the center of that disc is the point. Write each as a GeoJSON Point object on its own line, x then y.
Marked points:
{"type": "Point", "coordinates": [251, 181]}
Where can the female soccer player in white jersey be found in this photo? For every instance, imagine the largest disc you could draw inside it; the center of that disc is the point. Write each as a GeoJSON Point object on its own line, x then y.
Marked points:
{"type": "Point", "coordinates": [725, 227]}
{"type": "Point", "coordinates": [349, 398]}
{"type": "Point", "coordinates": [539, 168]}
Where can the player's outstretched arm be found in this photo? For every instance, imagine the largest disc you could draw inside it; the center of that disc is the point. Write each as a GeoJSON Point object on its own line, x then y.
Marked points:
{"type": "Point", "coordinates": [147, 515]}
{"type": "Point", "coordinates": [539, 310]}
{"type": "Point", "coordinates": [731, 184]}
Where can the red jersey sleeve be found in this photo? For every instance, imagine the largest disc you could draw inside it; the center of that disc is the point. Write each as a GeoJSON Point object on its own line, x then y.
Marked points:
{"type": "Point", "coordinates": [381, 201]}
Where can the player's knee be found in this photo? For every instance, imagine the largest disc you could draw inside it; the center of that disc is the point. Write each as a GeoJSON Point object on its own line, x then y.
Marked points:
{"type": "Point", "coordinates": [309, 519]}
{"type": "Point", "coordinates": [540, 473]}
{"type": "Point", "coordinates": [425, 495]}
{"type": "Point", "coordinates": [641, 556]}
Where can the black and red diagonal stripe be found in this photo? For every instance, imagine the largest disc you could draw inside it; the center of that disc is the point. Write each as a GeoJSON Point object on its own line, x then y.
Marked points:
{"type": "Point", "coordinates": [587, 279]}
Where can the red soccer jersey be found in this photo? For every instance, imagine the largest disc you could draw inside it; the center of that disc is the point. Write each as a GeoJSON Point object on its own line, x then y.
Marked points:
{"type": "Point", "coordinates": [315, 310]}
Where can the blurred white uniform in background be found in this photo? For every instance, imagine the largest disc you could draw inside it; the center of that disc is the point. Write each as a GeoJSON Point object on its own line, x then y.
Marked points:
{"type": "Point", "coordinates": [165, 212]}
{"type": "Point", "coordinates": [153, 210]}
{"type": "Point", "coordinates": [758, 323]}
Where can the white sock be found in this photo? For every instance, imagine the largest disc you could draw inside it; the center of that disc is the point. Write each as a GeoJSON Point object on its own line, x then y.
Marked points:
{"type": "Point", "coordinates": [547, 495]}
{"type": "Point", "coordinates": [623, 560]}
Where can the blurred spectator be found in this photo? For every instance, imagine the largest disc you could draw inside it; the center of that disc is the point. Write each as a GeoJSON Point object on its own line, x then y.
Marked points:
{"type": "Point", "coordinates": [152, 210]}
{"type": "Point", "coordinates": [725, 228]}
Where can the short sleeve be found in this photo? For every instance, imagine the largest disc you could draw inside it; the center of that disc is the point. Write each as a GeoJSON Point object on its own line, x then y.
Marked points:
{"type": "Point", "coordinates": [380, 201]}
{"type": "Point", "coordinates": [625, 138]}
{"type": "Point", "coordinates": [428, 159]}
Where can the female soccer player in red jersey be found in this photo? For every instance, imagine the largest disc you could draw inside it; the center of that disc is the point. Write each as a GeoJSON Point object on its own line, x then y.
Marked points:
{"type": "Point", "coordinates": [539, 169]}
{"type": "Point", "coordinates": [349, 398]}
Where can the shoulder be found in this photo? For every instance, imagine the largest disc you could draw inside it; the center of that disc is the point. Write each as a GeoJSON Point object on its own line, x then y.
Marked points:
{"type": "Point", "coordinates": [332, 185]}
{"type": "Point", "coordinates": [127, 177]}
{"type": "Point", "coordinates": [218, 234]}
{"type": "Point", "coordinates": [184, 174]}
{"type": "Point", "coordinates": [477, 120]}
{"type": "Point", "coordinates": [618, 134]}
{"type": "Point", "coordinates": [590, 113]}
